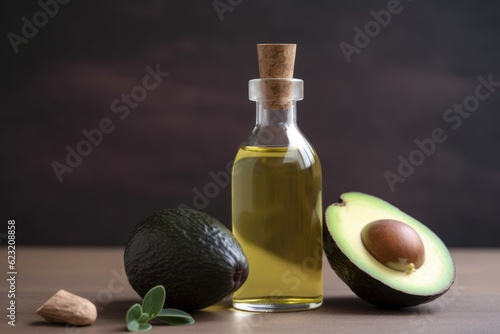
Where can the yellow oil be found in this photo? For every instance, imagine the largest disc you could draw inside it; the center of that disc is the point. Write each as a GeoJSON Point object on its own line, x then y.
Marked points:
{"type": "Point", "coordinates": [277, 217]}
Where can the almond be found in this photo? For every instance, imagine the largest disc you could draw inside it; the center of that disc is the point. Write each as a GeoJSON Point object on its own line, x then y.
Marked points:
{"type": "Point", "coordinates": [67, 308]}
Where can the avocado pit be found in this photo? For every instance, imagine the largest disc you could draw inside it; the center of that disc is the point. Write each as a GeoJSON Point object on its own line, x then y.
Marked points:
{"type": "Point", "coordinates": [394, 244]}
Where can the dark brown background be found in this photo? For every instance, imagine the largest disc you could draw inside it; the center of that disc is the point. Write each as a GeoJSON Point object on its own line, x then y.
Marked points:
{"type": "Point", "coordinates": [360, 116]}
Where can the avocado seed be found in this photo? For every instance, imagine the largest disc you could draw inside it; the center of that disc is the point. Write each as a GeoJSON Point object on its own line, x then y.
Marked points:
{"type": "Point", "coordinates": [394, 244]}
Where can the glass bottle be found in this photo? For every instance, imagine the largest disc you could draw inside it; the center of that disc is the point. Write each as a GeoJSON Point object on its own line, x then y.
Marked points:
{"type": "Point", "coordinates": [276, 206]}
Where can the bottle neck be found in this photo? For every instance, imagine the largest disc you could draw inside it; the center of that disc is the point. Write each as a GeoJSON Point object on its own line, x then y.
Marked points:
{"type": "Point", "coordinates": [275, 127]}
{"type": "Point", "coordinates": [276, 119]}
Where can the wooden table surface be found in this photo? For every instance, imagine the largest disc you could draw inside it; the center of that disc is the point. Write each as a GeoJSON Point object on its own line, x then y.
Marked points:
{"type": "Point", "coordinates": [471, 306]}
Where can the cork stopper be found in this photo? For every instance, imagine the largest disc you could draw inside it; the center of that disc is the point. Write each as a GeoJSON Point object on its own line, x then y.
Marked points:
{"type": "Point", "coordinates": [276, 61]}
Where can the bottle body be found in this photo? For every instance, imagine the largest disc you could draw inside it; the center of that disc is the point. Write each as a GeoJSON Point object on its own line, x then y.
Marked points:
{"type": "Point", "coordinates": [277, 216]}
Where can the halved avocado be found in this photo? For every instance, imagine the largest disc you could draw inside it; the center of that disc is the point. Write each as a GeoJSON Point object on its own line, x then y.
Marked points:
{"type": "Point", "coordinates": [371, 280]}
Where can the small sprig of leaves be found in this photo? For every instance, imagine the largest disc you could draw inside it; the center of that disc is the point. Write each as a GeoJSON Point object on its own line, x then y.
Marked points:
{"type": "Point", "coordinates": [138, 316]}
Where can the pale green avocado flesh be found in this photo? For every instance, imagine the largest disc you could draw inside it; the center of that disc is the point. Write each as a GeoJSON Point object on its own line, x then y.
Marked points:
{"type": "Point", "coordinates": [367, 277]}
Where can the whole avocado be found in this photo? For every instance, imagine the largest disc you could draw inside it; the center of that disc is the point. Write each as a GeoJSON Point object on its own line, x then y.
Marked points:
{"type": "Point", "coordinates": [194, 256]}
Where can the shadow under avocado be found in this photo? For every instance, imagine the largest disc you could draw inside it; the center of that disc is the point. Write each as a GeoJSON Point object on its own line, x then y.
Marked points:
{"type": "Point", "coordinates": [355, 305]}
{"type": "Point", "coordinates": [212, 313]}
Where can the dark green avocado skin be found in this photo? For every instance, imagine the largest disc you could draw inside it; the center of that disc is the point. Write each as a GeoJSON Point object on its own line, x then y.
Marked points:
{"type": "Point", "coordinates": [365, 286]}
{"type": "Point", "coordinates": [194, 256]}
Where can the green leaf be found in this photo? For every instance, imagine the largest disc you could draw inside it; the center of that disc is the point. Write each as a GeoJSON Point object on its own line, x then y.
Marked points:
{"type": "Point", "coordinates": [144, 318]}
{"type": "Point", "coordinates": [173, 316]}
{"type": "Point", "coordinates": [133, 314]}
{"type": "Point", "coordinates": [138, 316]}
{"type": "Point", "coordinates": [133, 325]}
{"type": "Point", "coordinates": [144, 327]}
{"type": "Point", "coordinates": [153, 301]}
